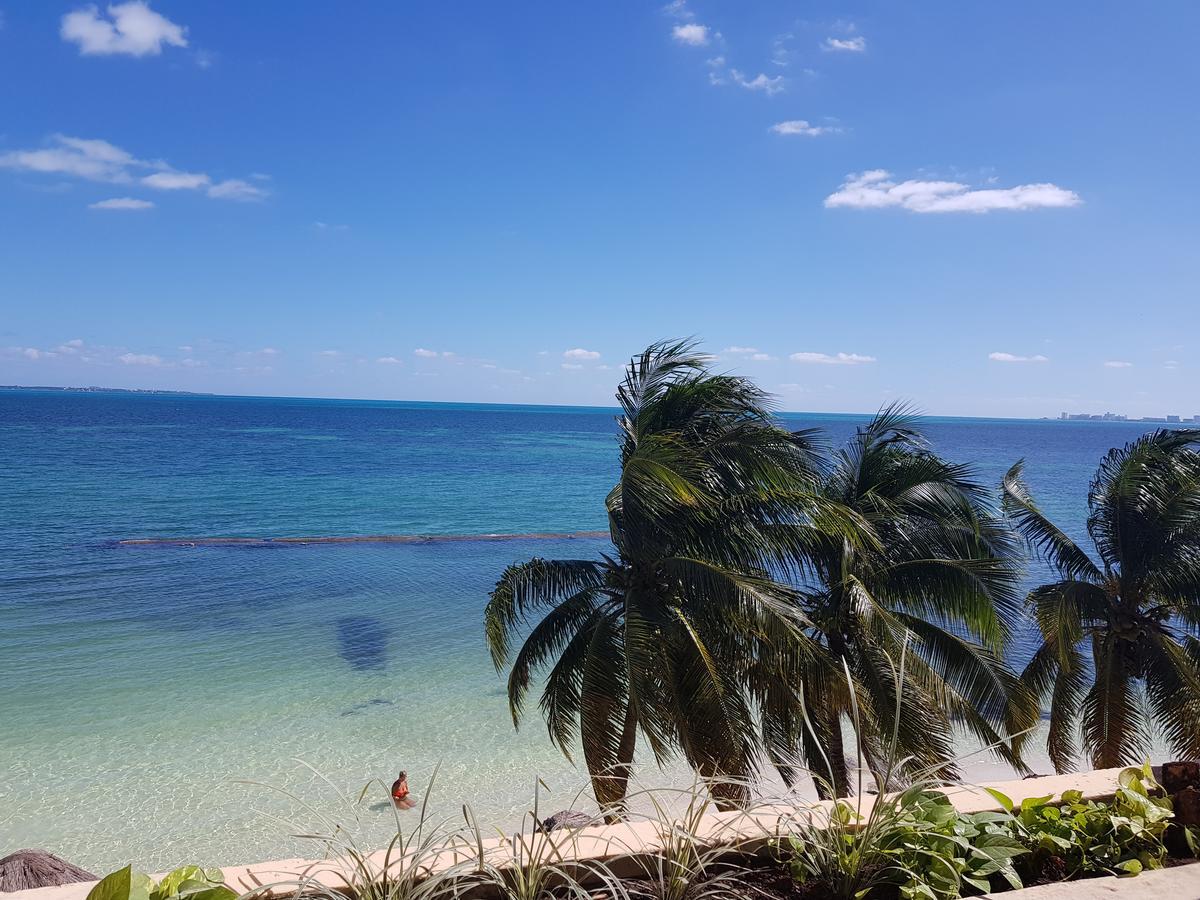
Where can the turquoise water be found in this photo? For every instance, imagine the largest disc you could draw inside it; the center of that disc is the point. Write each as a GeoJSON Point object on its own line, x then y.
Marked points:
{"type": "Point", "coordinates": [138, 683]}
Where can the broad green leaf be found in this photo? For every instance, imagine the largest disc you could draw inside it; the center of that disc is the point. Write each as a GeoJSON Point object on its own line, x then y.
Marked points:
{"type": "Point", "coordinates": [1003, 799]}
{"type": "Point", "coordinates": [1032, 803]}
{"type": "Point", "coordinates": [123, 884]}
{"type": "Point", "coordinates": [1129, 867]}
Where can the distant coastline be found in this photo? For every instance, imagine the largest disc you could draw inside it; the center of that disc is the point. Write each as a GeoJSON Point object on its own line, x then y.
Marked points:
{"type": "Point", "coordinates": [94, 389]}
{"type": "Point", "coordinates": [1107, 417]}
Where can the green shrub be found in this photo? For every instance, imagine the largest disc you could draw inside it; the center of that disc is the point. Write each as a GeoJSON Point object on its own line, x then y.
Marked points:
{"type": "Point", "coordinates": [190, 882]}
{"type": "Point", "coordinates": [914, 842]}
{"type": "Point", "coordinates": [1075, 838]}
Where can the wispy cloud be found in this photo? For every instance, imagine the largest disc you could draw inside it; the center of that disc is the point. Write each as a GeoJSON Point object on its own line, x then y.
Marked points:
{"type": "Point", "coordinates": [390, 361]}
{"type": "Point", "coordinates": [803, 128]}
{"type": "Point", "coordinates": [131, 29]}
{"type": "Point", "coordinates": [740, 350]}
{"type": "Point", "coordinates": [572, 366]}
{"type": "Point", "coordinates": [768, 84]}
{"type": "Point", "coordinates": [1016, 358]}
{"type": "Point", "coordinates": [580, 353]}
{"type": "Point", "coordinates": [856, 44]}
{"type": "Point", "coordinates": [236, 189]}
{"type": "Point", "coordinates": [92, 159]}
{"type": "Point", "coordinates": [176, 181]}
{"type": "Point", "coordinates": [826, 359]}
{"type": "Point", "coordinates": [781, 54]}
{"type": "Point", "coordinates": [876, 190]}
{"type": "Point", "coordinates": [1118, 364]}
{"type": "Point", "coordinates": [130, 204]}
{"type": "Point", "coordinates": [141, 359]}
{"type": "Point", "coordinates": [719, 74]}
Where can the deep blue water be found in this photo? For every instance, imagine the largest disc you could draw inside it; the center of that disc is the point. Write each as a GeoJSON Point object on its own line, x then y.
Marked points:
{"type": "Point", "coordinates": [135, 682]}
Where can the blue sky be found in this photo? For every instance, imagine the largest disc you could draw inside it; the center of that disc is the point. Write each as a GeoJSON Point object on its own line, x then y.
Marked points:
{"type": "Point", "coordinates": [988, 209]}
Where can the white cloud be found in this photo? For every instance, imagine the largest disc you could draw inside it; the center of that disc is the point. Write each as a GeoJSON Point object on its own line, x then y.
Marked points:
{"type": "Point", "coordinates": [140, 359]}
{"type": "Point", "coordinates": [131, 28]}
{"type": "Point", "coordinates": [98, 160]}
{"type": "Point", "coordinates": [804, 128]}
{"type": "Point", "coordinates": [269, 351]}
{"type": "Point", "coordinates": [330, 353]}
{"type": "Point", "coordinates": [876, 190]}
{"type": "Point", "coordinates": [691, 34]}
{"type": "Point", "coordinates": [1118, 364]}
{"type": "Point", "coordinates": [176, 181]}
{"type": "Point", "coordinates": [855, 44]}
{"type": "Point", "coordinates": [34, 353]}
{"type": "Point", "coordinates": [679, 10]}
{"type": "Point", "coordinates": [719, 74]}
{"type": "Point", "coordinates": [126, 203]}
{"type": "Point", "coordinates": [70, 348]}
{"type": "Point", "coordinates": [94, 160]}
{"type": "Point", "coordinates": [825, 359]}
{"type": "Point", "coordinates": [1014, 358]}
{"type": "Point", "coordinates": [236, 189]}
{"type": "Point", "coordinates": [580, 353]}
{"type": "Point", "coordinates": [761, 82]}
{"type": "Point", "coordinates": [425, 354]}
{"type": "Point", "coordinates": [571, 366]}
{"type": "Point", "coordinates": [736, 349]}
{"type": "Point", "coordinates": [761, 357]}
{"type": "Point", "coordinates": [390, 361]}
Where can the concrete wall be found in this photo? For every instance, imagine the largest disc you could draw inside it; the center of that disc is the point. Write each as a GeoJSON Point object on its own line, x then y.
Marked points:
{"type": "Point", "coordinates": [620, 845]}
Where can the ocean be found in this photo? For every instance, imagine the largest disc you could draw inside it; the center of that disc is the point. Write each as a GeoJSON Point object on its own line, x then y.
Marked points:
{"type": "Point", "coordinates": [155, 700]}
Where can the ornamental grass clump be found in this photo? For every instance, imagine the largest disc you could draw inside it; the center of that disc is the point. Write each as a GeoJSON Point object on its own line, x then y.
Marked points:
{"type": "Point", "coordinates": [696, 855]}
{"type": "Point", "coordinates": [536, 863]}
{"type": "Point", "coordinates": [912, 842]}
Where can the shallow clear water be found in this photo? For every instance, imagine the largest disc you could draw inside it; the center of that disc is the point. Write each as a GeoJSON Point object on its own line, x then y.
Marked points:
{"type": "Point", "coordinates": [137, 683]}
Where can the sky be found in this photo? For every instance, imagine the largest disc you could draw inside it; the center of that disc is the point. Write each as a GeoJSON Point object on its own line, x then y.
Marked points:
{"type": "Point", "coordinates": [984, 209]}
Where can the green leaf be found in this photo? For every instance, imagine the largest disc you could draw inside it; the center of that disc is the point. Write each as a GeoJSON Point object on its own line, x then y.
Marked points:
{"type": "Point", "coordinates": [1030, 804]}
{"type": "Point", "coordinates": [1129, 868]}
{"type": "Point", "coordinates": [124, 884]}
{"type": "Point", "coordinates": [1003, 799]}
{"type": "Point", "coordinates": [171, 883]}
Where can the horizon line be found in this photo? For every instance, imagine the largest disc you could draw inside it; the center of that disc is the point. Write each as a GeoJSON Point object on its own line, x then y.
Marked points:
{"type": "Point", "coordinates": [84, 389]}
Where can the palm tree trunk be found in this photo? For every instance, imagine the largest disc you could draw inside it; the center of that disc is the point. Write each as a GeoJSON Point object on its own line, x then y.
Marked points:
{"type": "Point", "coordinates": [839, 777]}
{"type": "Point", "coordinates": [610, 783]}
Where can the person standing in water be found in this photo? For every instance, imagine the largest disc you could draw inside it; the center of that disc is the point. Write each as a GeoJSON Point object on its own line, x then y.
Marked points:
{"type": "Point", "coordinates": [400, 791]}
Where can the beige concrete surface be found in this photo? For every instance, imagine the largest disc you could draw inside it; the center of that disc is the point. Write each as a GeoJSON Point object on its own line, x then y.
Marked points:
{"type": "Point", "coordinates": [619, 846]}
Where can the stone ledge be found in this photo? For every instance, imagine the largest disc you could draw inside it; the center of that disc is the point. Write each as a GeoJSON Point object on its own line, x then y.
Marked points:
{"type": "Point", "coordinates": [621, 845]}
{"type": "Point", "coordinates": [1176, 883]}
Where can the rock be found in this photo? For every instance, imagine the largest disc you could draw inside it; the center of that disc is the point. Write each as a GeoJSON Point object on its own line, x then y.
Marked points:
{"type": "Point", "coordinates": [1186, 804]}
{"type": "Point", "coordinates": [27, 869]}
{"type": "Point", "coordinates": [565, 818]}
{"type": "Point", "coordinates": [1179, 775]}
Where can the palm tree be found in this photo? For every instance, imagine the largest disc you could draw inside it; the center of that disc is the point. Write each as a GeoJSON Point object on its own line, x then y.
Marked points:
{"type": "Point", "coordinates": [1135, 607]}
{"type": "Point", "coordinates": [658, 639]}
{"type": "Point", "coordinates": [941, 576]}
